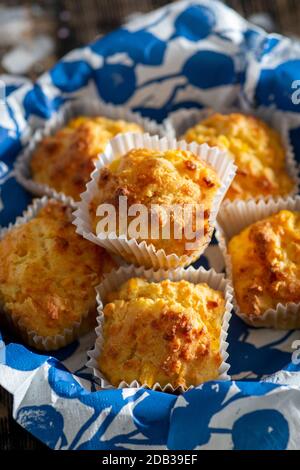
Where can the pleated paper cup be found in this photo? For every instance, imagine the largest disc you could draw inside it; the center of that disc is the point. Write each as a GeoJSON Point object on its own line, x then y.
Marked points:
{"type": "Point", "coordinates": [78, 107]}
{"type": "Point", "coordinates": [180, 121]}
{"type": "Point", "coordinates": [139, 252]}
{"type": "Point", "coordinates": [30, 337]}
{"type": "Point", "coordinates": [116, 278]}
{"type": "Point", "coordinates": [231, 221]}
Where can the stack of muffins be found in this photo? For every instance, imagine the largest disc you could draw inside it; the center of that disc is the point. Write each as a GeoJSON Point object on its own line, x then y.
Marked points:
{"type": "Point", "coordinates": [160, 323]}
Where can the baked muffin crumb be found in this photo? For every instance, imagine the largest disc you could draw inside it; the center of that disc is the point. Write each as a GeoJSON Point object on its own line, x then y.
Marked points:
{"type": "Point", "coordinates": [265, 260]}
{"type": "Point", "coordinates": [65, 160]}
{"type": "Point", "coordinates": [257, 150]}
{"type": "Point", "coordinates": [164, 332]}
{"type": "Point", "coordinates": [48, 273]}
{"type": "Point", "coordinates": [163, 179]}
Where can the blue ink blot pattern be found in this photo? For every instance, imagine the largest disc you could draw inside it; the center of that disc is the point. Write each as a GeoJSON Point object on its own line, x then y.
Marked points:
{"type": "Point", "coordinates": [190, 54]}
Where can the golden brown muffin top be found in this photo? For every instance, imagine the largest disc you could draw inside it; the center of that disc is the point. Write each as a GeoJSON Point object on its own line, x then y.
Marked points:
{"type": "Point", "coordinates": [257, 150]}
{"type": "Point", "coordinates": [162, 178]}
{"type": "Point", "coordinates": [265, 261]}
{"type": "Point", "coordinates": [165, 332]}
{"type": "Point", "coordinates": [48, 273]}
{"type": "Point", "coordinates": [65, 160]}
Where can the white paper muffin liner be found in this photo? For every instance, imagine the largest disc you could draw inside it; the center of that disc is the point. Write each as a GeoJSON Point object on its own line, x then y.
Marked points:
{"type": "Point", "coordinates": [141, 253]}
{"type": "Point", "coordinates": [44, 343]}
{"type": "Point", "coordinates": [114, 280]}
{"type": "Point", "coordinates": [232, 219]}
{"type": "Point", "coordinates": [180, 121]}
{"type": "Point", "coordinates": [70, 110]}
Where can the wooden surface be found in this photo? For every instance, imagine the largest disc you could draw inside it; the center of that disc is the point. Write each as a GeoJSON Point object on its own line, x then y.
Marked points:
{"type": "Point", "coordinates": [91, 18]}
{"type": "Point", "coordinates": [12, 436]}
{"type": "Point", "coordinates": [88, 19]}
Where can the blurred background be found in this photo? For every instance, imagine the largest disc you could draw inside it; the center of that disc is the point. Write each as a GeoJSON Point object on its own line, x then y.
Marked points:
{"type": "Point", "coordinates": [33, 35]}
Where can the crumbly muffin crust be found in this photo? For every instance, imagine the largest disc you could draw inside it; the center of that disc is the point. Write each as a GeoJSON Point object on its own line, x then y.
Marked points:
{"type": "Point", "coordinates": [265, 260]}
{"type": "Point", "coordinates": [257, 150]}
{"type": "Point", "coordinates": [48, 273]}
{"type": "Point", "coordinates": [65, 160]}
{"type": "Point", "coordinates": [165, 179]}
{"type": "Point", "coordinates": [165, 332]}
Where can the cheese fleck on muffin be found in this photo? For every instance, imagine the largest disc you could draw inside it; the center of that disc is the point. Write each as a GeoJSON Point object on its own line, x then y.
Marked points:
{"type": "Point", "coordinates": [165, 332]}
{"type": "Point", "coordinates": [257, 150]}
{"type": "Point", "coordinates": [162, 179]}
{"type": "Point", "coordinates": [265, 260]}
{"type": "Point", "coordinates": [48, 273]}
{"type": "Point", "coordinates": [65, 160]}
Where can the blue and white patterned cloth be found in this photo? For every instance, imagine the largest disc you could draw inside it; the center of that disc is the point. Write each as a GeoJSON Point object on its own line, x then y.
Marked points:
{"type": "Point", "coordinates": [188, 54]}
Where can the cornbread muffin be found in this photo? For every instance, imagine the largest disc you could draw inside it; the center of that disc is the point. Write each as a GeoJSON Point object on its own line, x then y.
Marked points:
{"type": "Point", "coordinates": [265, 260]}
{"type": "Point", "coordinates": [65, 160]}
{"type": "Point", "coordinates": [165, 332]}
{"type": "Point", "coordinates": [257, 150]}
{"type": "Point", "coordinates": [161, 179]}
{"type": "Point", "coordinates": [48, 274]}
